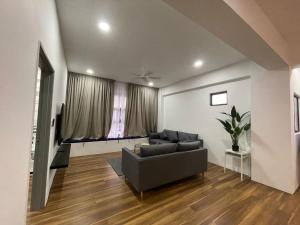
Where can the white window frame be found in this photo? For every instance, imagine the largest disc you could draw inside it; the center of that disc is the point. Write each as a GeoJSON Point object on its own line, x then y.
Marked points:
{"type": "Point", "coordinates": [218, 93]}
{"type": "Point", "coordinates": [119, 110]}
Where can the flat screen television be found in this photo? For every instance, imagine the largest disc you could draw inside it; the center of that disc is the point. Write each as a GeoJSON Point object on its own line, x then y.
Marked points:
{"type": "Point", "coordinates": [58, 130]}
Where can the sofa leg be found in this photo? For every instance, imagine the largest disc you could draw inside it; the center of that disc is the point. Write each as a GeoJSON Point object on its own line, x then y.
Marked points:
{"type": "Point", "coordinates": [142, 195]}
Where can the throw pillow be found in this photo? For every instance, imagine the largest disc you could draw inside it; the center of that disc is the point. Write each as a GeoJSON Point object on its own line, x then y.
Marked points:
{"type": "Point", "coordinates": [154, 135]}
{"type": "Point", "coordinates": [187, 146]}
{"type": "Point", "coordinates": [163, 135]}
{"type": "Point", "coordinates": [182, 136]}
{"type": "Point", "coordinates": [172, 135]}
{"type": "Point", "coordinates": [161, 149]}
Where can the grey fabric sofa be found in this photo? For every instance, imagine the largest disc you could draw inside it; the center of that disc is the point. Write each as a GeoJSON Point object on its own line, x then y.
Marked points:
{"type": "Point", "coordinates": [171, 136]}
{"type": "Point", "coordinates": [147, 171]}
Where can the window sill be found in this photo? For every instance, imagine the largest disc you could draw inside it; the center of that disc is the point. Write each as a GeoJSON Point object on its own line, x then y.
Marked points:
{"type": "Point", "coordinates": [83, 140]}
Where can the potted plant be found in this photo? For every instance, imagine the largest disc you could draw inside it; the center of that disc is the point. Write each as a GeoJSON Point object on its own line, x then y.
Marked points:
{"type": "Point", "coordinates": [235, 125]}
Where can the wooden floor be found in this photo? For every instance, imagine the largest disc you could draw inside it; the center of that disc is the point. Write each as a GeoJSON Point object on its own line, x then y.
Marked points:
{"type": "Point", "coordinates": [89, 192]}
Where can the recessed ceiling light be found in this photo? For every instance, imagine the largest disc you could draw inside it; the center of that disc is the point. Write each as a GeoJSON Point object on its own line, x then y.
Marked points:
{"type": "Point", "coordinates": [150, 83]}
{"type": "Point", "coordinates": [198, 63]}
{"type": "Point", "coordinates": [104, 26]}
{"type": "Point", "coordinates": [90, 71]}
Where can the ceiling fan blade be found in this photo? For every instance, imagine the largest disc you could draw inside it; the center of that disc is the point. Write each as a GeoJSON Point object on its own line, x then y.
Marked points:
{"type": "Point", "coordinates": [148, 74]}
{"type": "Point", "coordinates": [154, 77]}
{"type": "Point", "coordinates": [146, 79]}
{"type": "Point", "coordinates": [137, 78]}
{"type": "Point", "coordinates": [137, 75]}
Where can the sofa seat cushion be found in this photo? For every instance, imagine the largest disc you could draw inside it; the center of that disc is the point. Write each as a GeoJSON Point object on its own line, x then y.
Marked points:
{"type": "Point", "coordinates": [172, 135]}
{"type": "Point", "coordinates": [187, 146]}
{"type": "Point", "coordinates": [161, 149]}
{"type": "Point", "coordinates": [158, 141]}
{"type": "Point", "coordinates": [182, 136]}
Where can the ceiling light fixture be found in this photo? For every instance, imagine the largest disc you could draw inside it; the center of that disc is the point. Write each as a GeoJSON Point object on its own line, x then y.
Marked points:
{"type": "Point", "coordinates": [150, 83]}
{"type": "Point", "coordinates": [198, 63]}
{"type": "Point", "coordinates": [104, 26]}
{"type": "Point", "coordinates": [90, 71]}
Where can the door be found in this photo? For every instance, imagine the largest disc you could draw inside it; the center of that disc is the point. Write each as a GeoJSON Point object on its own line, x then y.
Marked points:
{"type": "Point", "coordinates": [40, 170]}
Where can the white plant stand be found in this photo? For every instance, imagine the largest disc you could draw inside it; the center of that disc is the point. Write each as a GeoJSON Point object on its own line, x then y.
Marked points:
{"type": "Point", "coordinates": [242, 155]}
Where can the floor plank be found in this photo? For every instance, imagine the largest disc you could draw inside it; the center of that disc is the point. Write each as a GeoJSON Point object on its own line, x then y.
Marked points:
{"type": "Point", "coordinates": [90, 192]}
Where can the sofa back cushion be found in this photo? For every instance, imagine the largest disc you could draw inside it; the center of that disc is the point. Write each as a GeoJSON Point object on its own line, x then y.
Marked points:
{"type": "Point", "coordinates": [187, 146]}
{"type": "Point", "coordinates": [154, 135]}
{"type": "Point", "coordinates": [182, 136]}
{"type": "Point", "coordinates": [172, 135]}
{"type": "Point", "coordinates": [151, 150]}
{"type": "Point", "coordinates": [163, 135]}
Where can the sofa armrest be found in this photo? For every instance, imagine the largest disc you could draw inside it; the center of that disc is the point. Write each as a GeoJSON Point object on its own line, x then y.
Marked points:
{"type": "Point", "coordinates": [201, 142]}
{"type": "Point", "coordinates": [204, 158]}
{"type": "Point", "coordinates": [131, 167]}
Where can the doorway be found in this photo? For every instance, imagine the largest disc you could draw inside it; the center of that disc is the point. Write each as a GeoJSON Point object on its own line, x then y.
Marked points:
{"type": "Point", "coordinates": [42, 133]}
{"type": "Point", "coordinates": [34, 127]}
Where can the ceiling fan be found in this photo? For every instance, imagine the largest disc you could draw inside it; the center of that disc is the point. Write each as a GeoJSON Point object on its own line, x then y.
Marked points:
{"type": "Point", "coordinates": [146, 76]}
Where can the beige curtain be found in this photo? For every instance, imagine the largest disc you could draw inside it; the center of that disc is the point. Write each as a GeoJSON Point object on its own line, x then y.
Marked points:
{"type": "Point", "coordinates": [141, 110]}
{"type": "Point", "coordinates": [89, 106]}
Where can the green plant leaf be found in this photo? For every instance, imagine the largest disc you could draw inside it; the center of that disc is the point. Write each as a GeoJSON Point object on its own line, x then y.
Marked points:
{"type": "Point", "coordinates": [244, 114]}
{"type": "Point", "coordinates": [233, 111]}
{"type": "Point", "coordinates": [238, 131]}
{"type": "Point", "coordinates": [233, 122]}
{"type": "Point", "coordinates": [247, 126]}
{"type": "Point", "coordinates": [230, 131]}
{"type": "Point", "coordinates": [222, 122]}
{"type": "Point", "coordinates": [225, 114]}
{"type": "Point", "coordinates": [227, 125]}
{"type": "Point", "coordinates": [238, 117]}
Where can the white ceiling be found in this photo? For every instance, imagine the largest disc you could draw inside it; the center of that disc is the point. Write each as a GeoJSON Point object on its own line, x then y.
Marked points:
{"type": "Point", "coordinates": [285, 16]}
{"type": "Point", "coordinates": [144, 34]}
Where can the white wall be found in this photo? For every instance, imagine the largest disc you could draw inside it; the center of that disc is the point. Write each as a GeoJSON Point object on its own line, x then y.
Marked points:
{"type": "Point", "coordinates": [194, 114]}
{"type": "Point", "coordinates": [271, 129]}
{"type": "Point", "coordinates": [272, 147]}
{"type": "Point", "coordinates": [18, 58]}
{"type": "Point", "coordinates": [100, 147]}
{"type": "Point", "coordinates": [49, 36]}
{"type": "Point", "coordinates": [20, 35]}
{"type": "Point", "coordinates": [232, 73]}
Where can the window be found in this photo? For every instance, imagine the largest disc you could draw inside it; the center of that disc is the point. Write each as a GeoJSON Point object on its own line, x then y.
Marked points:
{"type": "Point", "coordinates": [296, 113]}
{"type": "Point", "coordinates": [118, 118]}
{"type": "Point", "coordinates": [218, 98]}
